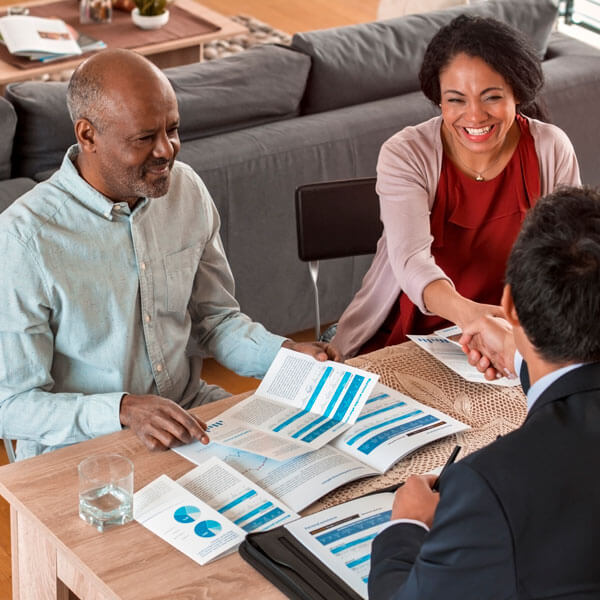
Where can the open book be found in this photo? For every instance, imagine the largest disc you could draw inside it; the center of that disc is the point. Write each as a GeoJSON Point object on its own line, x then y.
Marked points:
{"type": "Point", "coordinates": [390, 426]}
{"type": "Point", "coordinates": [37, 38]}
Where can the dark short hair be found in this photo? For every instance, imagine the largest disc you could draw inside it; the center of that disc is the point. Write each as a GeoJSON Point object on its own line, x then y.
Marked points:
{"type": "Point", "coordinates": [503, 48]}
{"type": "Point", "coordinates": [554, 274]}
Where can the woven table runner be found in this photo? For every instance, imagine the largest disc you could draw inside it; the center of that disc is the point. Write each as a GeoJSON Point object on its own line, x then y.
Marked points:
{"type": "Point", "coordinates": [120, 33]}
{"type": "Point", "coordinates": [489, 410]}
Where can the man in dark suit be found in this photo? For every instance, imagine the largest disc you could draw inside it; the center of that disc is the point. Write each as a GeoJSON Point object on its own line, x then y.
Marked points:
{"type": "Point", "coordinates": [521, 517]}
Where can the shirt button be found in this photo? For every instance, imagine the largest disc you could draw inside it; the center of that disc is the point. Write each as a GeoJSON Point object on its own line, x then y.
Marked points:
{"type": "Point", "coordinates": [117, 208]}
{"type": "Point", "coordinates": [147, 318]}
{"type": "Point", "coordinates": [159, 368]}
{"type": "Point", "coordinates": [143, 266]}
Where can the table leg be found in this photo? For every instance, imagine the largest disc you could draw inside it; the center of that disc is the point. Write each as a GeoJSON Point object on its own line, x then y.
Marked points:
{"type": "Point", "coordinates": [33, 561]}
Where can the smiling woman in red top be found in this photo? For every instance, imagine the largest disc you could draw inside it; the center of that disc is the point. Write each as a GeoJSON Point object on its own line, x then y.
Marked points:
{"type": "Point", "coordinates": [455, 189]}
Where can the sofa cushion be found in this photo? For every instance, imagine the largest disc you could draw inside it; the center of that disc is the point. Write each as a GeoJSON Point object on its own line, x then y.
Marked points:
{"type": "Point", "coordinates": [344, 71]}
{"type": "Point", "coordinates": [44, 128]}
{"type": "Point", "coordinates": [263, 84]}
{"type": "Point", "coordinates": [8, 122]}
{"type": "Point", "coordinates": [11, 189]}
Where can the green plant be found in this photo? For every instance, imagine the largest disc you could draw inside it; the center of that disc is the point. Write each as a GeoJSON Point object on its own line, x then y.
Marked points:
{"type": "Point", "coordinates": [151, 8]}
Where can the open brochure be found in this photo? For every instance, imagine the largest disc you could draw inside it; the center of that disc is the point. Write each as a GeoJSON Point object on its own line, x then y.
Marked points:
{"type": "Point", "coordinates": [300, 405]}
{"type": "Point", "coordinates": [390, 426]}
{"type": "Point", "coordinates": [444, 346]}
{"type": "Point", "coordinates": [37, 38]}
{"type": "Point", "coordinates": [208, 511]}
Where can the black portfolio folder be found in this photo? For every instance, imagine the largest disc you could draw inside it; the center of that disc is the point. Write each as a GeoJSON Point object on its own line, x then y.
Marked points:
{"type": "Point", "coordinates": [292, 568]}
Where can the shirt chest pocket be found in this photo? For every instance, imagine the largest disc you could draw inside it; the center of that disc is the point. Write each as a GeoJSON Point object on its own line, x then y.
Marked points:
{"type": "Point", "coordinates": [180, 269]}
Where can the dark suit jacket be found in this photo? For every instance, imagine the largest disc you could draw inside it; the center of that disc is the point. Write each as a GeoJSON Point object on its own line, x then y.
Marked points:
{"type": "Point", "coordinates": [517, 519]}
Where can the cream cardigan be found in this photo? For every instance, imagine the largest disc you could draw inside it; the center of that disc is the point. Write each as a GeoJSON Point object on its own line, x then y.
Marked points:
{"type": "Point", "coordinates": [408, 172]}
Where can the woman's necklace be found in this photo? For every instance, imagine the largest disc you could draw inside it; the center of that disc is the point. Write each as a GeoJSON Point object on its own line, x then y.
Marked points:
{"type": "Point", "coordinates": [479, 175]}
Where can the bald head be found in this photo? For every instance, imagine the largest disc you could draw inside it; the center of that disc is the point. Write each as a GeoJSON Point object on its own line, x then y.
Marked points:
{"type": "Point", "coordinates": [101, 84]}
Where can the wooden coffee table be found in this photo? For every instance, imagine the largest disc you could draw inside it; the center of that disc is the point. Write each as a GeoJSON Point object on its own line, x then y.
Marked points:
{"type": "Point", "coordinates": [171, 53]}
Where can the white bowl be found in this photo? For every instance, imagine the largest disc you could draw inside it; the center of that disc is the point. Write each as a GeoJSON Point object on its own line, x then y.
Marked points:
{"type": "Point", "coordinates": [152, 22]}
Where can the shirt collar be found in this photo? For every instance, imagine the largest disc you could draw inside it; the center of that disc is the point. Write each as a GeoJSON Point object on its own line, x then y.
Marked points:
{"type": "Point", "coordinates": [70, 179]}
{"type": "Point", "coordinates": [542, 384]}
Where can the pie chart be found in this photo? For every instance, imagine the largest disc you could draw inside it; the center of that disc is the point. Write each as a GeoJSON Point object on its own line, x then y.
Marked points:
{"type": "Point", "coordinates": [207, 529]}
{"type": "Point", "coordinates": [186, 514]}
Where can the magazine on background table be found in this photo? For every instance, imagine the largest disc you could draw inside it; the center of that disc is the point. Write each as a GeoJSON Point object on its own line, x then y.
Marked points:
{"type": "Point", "coordinates": [37, 38]}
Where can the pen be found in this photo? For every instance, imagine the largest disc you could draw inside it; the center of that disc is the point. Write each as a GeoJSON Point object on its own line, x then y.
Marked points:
{"type": "Point", "coordinates": [451, 459]}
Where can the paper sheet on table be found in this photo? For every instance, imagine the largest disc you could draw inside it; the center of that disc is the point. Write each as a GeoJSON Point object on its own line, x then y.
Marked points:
{"type": "Point", "coordinates": [184, 521]}
{"type": "Point", "coordinates": [297, 482]}
{"type": "Point", "coordinates": [234, 496]}
{"type": "Point", "coordinates": [392, 425]}
{"type": "Point", "coordinates": [300, 405]}
{"type": "Point", "coordinates": [454, 358]}
{"type": "Point", "coordinates": [342, 536]}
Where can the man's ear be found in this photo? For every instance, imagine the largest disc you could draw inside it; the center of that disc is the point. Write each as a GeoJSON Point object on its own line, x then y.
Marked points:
{"type": "Point", "coordinates": [508, 306]}
{"type": "Point", "coordinates": [86, 134]}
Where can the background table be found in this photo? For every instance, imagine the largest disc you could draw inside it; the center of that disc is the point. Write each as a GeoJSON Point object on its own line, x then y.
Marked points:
{"type": "Point", "coordinates": [52, 548]}
{"type": "Point", "coordinates": [170, 53]}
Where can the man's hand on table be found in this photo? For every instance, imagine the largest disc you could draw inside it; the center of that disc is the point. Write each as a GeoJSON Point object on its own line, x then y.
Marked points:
{"type": "Point", "coordinates": [489, 345]}
{"type": "Point", "coordinates": [159, 422]}
{"type": "Point", "coordinates": [416, 500]}
{"type": "Point", "coordinates": [318, 350]}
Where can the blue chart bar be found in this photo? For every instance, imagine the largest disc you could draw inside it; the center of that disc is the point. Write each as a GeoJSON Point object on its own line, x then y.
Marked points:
{"type": "Point", "coordinates": [343, 547]}
{"type": "Point", "coordinates": [375, 398]}
{"type": "Point", "coordinates": [358, 561]}
{"type": "Point", "coordinates": [304, 429]}
{"type": "Point", "coordinates": [382, 437]}
{"type": "Point", "coordinates": [253, 513]}
{"type": "Point", "coordinates": [338, 391]}
{"type": "Point", "coordinates": [349, 396]}
{"type": "Point", "coordinates": [381, 410]}
{"type": "Point", "coordinates": [290, 420]}
{"type": "Point", "coordinates": [328, 371]}
{"type": "Point", "coordinates": [313, 398]}
{"type": "Point", "coordinates": [356, 527]}
{"type": "Point", "coordinates": [364, 432]}
{"type": "Point", "coordinates": [366, 579]}
{"type": "Point", "coordinates": [238, 501]}
{"type": "Point", "coordinates": [313, 435]}
{"type": "Point", "coordinates": [273, 514]}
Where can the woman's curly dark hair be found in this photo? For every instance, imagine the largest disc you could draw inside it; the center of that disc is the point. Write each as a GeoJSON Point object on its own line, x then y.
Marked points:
{"type": "Point", "coordinates": [503, 48]}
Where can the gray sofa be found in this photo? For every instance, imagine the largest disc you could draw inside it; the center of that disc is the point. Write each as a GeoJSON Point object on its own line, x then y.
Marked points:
{"type": "Point", "coordinates": [258, 124]}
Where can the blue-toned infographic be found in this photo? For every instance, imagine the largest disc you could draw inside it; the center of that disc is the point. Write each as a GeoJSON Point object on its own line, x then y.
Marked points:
{"type": "Point", "coordinates": [390, 426]}
{"type": "Point", "coordinates": [185, 521]}
{"type": "Point", "coordinates": [300, 405]}
{"type": "Point", "coordinates": [235, 497]}
{"type": "Point", "coordinates": [342, 536]}
{"type": "Point", "coordinates": [297, 482]}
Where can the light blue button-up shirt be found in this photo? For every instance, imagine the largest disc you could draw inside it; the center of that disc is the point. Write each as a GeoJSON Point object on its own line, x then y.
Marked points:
{"type": "Point", "coordinates": [97, 300]}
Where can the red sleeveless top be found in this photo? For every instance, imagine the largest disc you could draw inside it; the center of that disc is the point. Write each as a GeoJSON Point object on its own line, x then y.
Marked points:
{"type": "Point", "coordinates": [474, 225]}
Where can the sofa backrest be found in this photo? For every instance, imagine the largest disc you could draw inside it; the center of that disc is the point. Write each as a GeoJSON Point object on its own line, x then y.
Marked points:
{"type": "Point", "coordinates": [8, 123]}
{"type": "Point", "coordinates": [263, 84]}
{"type": "Point", "coordinates": [362, 63]}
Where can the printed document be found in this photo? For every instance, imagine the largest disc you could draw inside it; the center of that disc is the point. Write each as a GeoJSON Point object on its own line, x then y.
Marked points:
{"type": "Point", "coordinates": [297, 482]}
{"type": "Point", "coordinates": [342, 536]}
{"type": "Point", "coordinates": [184, 521]}
{"type": "Point", "coordinates": [392, 425]}
{"type": "Point", "coordinates": [300, 405]}
{"type": "Point", "coordinates": [448, 352]}
{"type": "Point", "coordinates": [234, 496]}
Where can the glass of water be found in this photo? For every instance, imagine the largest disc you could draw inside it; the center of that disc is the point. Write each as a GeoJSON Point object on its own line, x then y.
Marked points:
{"type": "Point", "coordinates": [106, 490]}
